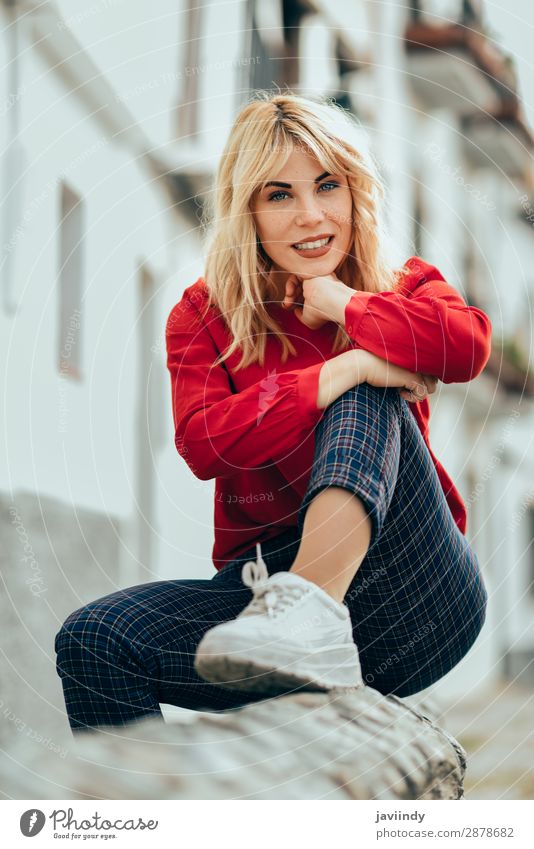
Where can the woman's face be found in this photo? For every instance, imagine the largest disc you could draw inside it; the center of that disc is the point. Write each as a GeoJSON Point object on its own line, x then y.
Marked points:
{"type": "Point", "coordinates": [309, 205]}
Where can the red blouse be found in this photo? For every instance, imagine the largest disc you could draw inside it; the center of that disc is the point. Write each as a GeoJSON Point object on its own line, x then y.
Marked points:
{"type": "Point", "coordinates": [253, 429]}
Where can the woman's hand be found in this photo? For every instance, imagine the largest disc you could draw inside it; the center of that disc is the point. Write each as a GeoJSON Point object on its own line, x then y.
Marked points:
{"type": "Point", "coordinates": [379, 372]}
{"type": "Point", "coordinates": [298, 298]}
{"type": "Point", "coordinates": [317, 300]}
{"type": "Point", "coordinates": [322, 298]}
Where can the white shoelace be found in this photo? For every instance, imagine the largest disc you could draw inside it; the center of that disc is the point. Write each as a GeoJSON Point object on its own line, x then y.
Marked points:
{"type": "Point", "coordinates": [270, 599]}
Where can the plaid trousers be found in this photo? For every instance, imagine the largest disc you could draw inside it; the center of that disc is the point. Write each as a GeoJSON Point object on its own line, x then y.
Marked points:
{"type": "Point", "coordinates": [417, 602]}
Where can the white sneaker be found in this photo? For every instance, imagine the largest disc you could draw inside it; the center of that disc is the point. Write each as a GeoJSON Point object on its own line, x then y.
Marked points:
{"type": "Point", "coordinates": [291, 634]}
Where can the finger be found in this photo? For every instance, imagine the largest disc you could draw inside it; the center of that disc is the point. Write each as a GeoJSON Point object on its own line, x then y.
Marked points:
{"type": "Point", "coordinates": [290, 287]}
{"type": "Point", "coordinates": [289, 292]}
{"type": "Point", "coordinates": [296, 294]}
{"type": "Point", "coordinates": [431, 382]}
{"type": "Point", "coordinates": [410, 396]}
{"type": "Point", "coordinates": [417, 389]}
{"type": "Point", "coordinates": [420, 391]}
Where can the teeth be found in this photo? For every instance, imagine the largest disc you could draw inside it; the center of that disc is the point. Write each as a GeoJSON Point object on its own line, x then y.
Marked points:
{"type": "Point", "coordinates": [308, 246]}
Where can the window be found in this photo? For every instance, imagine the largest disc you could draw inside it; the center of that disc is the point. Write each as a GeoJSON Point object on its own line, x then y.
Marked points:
{"type": "Point", "coordinates": [70, 281]}
{"type": "Point", "coordinates": [264, 47]}
{"type": "Point", "coordinates": [273, 43]}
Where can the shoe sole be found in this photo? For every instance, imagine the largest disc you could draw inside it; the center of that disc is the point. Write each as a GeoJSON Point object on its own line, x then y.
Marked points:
{"type": "Point", "coordinates": [248, 675]}
{"type": "Point", "coordinates": [236, 672]}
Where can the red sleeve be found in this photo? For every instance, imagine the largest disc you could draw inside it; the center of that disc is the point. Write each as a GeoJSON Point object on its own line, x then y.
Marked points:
{"type": "Point", "coordinates": [430, 330]}
{"type": "Point", "coordinates": [219, 432]}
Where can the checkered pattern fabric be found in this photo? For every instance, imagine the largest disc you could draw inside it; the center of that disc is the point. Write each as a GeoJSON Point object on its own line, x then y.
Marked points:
{"type": "Point", "coordinates": [417, 602]}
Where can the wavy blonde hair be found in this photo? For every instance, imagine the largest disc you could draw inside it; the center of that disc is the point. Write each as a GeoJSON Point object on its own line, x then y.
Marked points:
{"type": "Point", "coordinates": [267, 129]}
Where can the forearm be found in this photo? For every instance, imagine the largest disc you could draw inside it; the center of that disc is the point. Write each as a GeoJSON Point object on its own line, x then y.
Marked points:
{"type": "Point", "coordinates": [433, 332]}
{"type": "Point", "coordinates": [338, 375]}
{"type": "Point", "coordinates": [356, 366]}
{"type": "Point", "coordinates": [428, 328]}
{"type": "Point", "coordinates": [335, 304]}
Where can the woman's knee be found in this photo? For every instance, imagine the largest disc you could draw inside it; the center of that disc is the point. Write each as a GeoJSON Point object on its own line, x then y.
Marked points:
{"type": "Point", "coordinates": [466, 612]}
{"type": "Point", "coordinates": [358, 447]}
{"type": "Point", "coordinates": [405, 667]}
{"type": "Point", "coordinates": [361, 412]}
{"type": "Point", "coordinates": [473, 611]}
{"type": "Point", "coordinates": [89, 633]}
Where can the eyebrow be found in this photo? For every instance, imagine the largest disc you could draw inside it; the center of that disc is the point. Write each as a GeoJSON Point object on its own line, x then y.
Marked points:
{"type": "Point", "coordinates": [288, 185]}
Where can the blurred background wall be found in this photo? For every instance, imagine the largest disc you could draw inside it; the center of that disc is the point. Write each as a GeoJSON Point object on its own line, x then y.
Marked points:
{"type": "Point", "coordinates": [114, 115]}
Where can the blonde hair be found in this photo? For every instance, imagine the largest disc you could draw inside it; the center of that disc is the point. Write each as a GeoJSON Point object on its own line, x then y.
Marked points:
{"type": "Point", "coordinates": [265, 132]}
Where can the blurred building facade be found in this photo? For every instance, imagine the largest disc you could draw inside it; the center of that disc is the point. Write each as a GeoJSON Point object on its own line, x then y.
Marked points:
{"type": "Point", "coordinates": [114, 121]}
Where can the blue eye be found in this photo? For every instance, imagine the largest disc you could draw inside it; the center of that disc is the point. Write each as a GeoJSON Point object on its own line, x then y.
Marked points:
{"type": "Point", "coordinates": [275, 195]}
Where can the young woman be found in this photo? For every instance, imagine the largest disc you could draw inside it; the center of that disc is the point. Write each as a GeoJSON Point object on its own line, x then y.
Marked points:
{"type": "Point", "coordinates": [301, 364]}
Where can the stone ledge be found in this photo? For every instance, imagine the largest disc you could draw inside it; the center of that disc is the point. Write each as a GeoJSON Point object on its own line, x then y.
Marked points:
{"type": "Point", "coordinates": [353, 744]}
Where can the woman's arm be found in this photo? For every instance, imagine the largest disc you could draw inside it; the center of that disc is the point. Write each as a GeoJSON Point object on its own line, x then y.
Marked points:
{"type": "Point", "coordinates": [358, 366]}
{"type": "Point", "coordinates": [220, 432]}
{"type": "Point", "coordinates": [430, 329]}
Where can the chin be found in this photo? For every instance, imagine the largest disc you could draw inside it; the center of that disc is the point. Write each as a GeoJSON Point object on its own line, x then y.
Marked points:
{"type": "Point", "coordinates": [316, 270]}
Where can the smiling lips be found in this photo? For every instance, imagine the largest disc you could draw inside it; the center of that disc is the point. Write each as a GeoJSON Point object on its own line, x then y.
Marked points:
{"type": "Point", "coordinates": [314, 241]}
{"type": "Point", "coordinates": [312, 248]}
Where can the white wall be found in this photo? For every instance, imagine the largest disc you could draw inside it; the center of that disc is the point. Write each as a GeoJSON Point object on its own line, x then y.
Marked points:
{"type": "Point", "coordinates": [135, 44]}
{"type": "Point", "coordinates": [87, 456]}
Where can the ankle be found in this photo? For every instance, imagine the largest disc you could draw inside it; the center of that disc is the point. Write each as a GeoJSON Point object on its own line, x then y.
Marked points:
{"type": "Point", "coordinates": [334, 592]}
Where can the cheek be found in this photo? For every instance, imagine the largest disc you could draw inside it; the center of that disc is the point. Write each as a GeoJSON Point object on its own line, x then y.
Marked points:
{"type": "Point", "coordinates": [348, 211]}
{"type": "Point", "coordinates": [269, 225]}
{"type": "Point", "coordinates": [342, 210]}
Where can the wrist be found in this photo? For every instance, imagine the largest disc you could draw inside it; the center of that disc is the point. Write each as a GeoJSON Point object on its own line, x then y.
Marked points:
{"type": "Point", "coordinates": [330, 298]}
{"type": "Point", "coordinates": [339, 297]}
{"type": "Point", "coordinates": [358, 357]}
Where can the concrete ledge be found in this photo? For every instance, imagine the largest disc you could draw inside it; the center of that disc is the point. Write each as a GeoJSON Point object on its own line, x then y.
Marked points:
{"type": "Point", "coordinates": [353, 744]}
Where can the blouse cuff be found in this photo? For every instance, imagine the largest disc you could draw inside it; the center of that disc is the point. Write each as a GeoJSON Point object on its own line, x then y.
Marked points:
{"type": "Point", "coordinates": [355, 310]}
{"type": "Point", "coordinates": [307, 391]}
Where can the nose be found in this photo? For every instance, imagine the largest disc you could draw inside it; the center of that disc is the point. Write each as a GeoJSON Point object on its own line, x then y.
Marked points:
{"type": "Point", "coordinates": [309, 212]}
